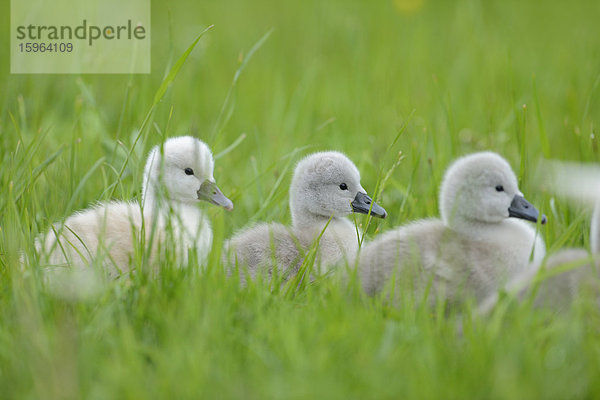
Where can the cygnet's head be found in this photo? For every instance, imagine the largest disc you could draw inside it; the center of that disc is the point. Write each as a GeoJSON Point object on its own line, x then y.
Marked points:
{"type": "Point", "coordinates": [482, 187]}
{"type": "Point", "coordinates": [182, 168]}
{"type": "Point", "coordinates": [326, 184]}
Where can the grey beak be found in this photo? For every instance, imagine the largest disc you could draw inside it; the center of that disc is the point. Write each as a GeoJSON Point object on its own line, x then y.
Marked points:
{"type": "Point", "coordinates": [209, 191]}
{"type": "Point", "coordinates": [521, 208]}
{"type": "Point", "coordinates": [362, 204]}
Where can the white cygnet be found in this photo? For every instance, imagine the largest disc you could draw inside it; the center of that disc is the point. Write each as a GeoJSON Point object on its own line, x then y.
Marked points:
{"type": "Point", "coordinates": [477, 246]}
{"type": "Point", "coordinates": [177, 176]}
{"type": "Point", "coordinates": [324, 190]}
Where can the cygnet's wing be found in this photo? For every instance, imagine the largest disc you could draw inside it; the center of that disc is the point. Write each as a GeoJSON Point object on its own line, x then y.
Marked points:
{"type": "Point", "coordinates": [427, 257]}
{"type": "Point", "coordinates": [104, 232]}
{"type": "Point", "coordinates": [392, 254]}
{"type": "Point", "coordinates": [262, 248]}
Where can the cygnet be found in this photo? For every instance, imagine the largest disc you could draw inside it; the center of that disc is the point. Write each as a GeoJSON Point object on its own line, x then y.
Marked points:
{"type": "Point", "coordinates": [177, 176]}
{"type": "Point", "coordinates": [324, 190]}
{"type": "Point", "coordinates": [480, 242]}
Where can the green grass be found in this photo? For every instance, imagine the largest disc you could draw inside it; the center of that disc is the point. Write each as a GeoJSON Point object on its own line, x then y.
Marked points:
{"type": "Point", "coordinates": [279, 80]}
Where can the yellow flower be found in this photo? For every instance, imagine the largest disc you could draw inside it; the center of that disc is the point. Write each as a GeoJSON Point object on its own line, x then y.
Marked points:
{"type": "Point", "coordinates": [408, 6]}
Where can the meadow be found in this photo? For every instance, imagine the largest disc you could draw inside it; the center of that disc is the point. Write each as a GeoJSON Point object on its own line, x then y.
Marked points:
{"type": "Point", "coordinates": [402, 87]}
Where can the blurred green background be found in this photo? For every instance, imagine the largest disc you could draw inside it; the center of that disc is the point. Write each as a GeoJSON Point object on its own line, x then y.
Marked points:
{"type": "Point", "coordinates": [517, 77]}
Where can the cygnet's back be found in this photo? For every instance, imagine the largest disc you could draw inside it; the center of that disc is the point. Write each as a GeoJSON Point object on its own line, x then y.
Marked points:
{"type": "Point", "coordinates": [473, 250]}
{"type": "Point", "coordinates": [558, 291]}
{"type": "Point", "coordinates": [324, 190]}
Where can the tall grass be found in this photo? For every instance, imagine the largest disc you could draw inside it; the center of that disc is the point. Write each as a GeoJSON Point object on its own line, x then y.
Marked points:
{"type": "Point", "coordinates": [519, 78]}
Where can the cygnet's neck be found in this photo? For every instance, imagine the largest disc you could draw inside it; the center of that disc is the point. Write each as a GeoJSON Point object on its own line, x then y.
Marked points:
{"type": "Point", "coordinates": [153, 201]}
{"type": "Point", "coordinates": [183, 215]}
{"type": "Point", "coordinates": [481, 230]}
{"type": "Point", "coordinates": [473, 228]}
{"type": "Point", "coordinates": [304, 219]}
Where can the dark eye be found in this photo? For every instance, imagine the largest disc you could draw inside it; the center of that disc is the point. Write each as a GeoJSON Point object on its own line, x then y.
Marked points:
{"type": "Point", "coordinates": [189, 171]}
{"type": "Point", "coordinates": [343, 186]}
{"type": "Point", "coordinates": [499, 188]}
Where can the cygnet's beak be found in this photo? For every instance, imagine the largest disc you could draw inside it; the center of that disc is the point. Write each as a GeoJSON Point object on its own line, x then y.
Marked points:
{"type": "Point", "coordinates": [521, 208]}
{"type": "Point", "coordinates": [209, 191]}
{"type": "Point", "coordinates": [362, 204]}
